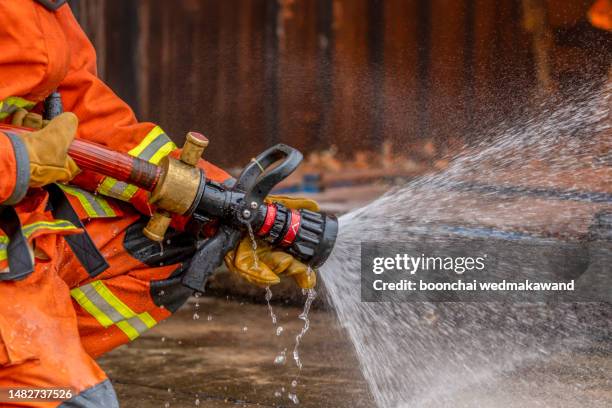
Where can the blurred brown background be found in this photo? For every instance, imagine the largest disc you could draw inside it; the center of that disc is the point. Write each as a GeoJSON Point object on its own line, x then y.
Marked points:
{"type": "Point", "coordinates": [350, 73]}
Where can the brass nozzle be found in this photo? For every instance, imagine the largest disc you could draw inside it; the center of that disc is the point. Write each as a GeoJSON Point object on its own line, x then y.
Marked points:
{"type": "Point", "coordinates": [157, 226]}
{"type": "Point", "coordinates": [194, 146]}
{"type": "Point", "coordinates": [178, 186]}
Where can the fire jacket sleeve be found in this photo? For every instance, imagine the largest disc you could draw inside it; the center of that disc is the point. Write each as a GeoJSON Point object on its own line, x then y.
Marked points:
{"type": "Point", "coordinates": [104, 118]}
{"type": "Point", "coordinates": [14, 167]}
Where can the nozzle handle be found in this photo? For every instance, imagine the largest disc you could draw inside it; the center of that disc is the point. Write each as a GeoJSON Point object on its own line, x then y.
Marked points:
{"type": "Point", "coordinates": [209, 256]}
{"type": "Point", "coordinates": [261, 175]}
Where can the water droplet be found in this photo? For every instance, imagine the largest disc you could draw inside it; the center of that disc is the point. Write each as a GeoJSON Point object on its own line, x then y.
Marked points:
{"type": "Point", "coordinates": [311, 296]}
{"type": "Point", "coordinates": [294, 383]}
{"type": "Point", "coordinates": [169, 390]}
{"type": "Point", "coordinates": [245, 328]}
{"type": "Point", "coordinates": [196, 316]}
{"type": "Point", "coordinates": [277, 394]}
{"type": "Point", "coordinates": [163, 339]}
{"type": "Point", "coordinates": [254, 245]}
{"type": "Point", "coordinates": [268, 298]}
{"type": "Point", "coordinates": [281, 358]}
{"type": "Point", "coordinates": [294, 398]}
{"type": "Point", "coordinates": [279, 330]}
{"type": "Point", "coordinates": [209, 318]}
{"type": "Point", "coordinates": [167, 404]}
{"type": "Point", "coordinates": [197, 402]}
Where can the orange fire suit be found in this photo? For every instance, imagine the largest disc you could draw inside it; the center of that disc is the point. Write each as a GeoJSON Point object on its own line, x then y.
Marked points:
{"type": "Point", "coordinates": [600, 14]}
{"type": "Point", "coordinates": [55, 321]}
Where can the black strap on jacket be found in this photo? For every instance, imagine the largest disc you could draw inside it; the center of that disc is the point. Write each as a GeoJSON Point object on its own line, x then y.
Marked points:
{"type": "Point", "coordinates": [20, 260]}
{"type": "Point", "coordinates": [81, 244]}
{"type": "Point", "coordinates": [52, 5]}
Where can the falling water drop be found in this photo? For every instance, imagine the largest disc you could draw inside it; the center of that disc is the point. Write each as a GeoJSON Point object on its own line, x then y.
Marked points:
{"type": "Point", "coordinates": [281, 358]}
{"type": "Point", "coordinates": [268, 298]}
{"type": "Point", "coordinates": [196, 306]}
{"type": "Point", "coordinates": [254, 245]}
{"type": "Point", "coordinates": [311, 295]}
{"type": "Point", "coordinates": [294, 398]}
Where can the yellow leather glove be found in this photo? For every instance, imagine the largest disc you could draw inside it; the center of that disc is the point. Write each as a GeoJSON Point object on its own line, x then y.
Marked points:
{"type": "Point", "coordinates": [265, 265]}
{"type": "Point", "coordinates": [48, 151]}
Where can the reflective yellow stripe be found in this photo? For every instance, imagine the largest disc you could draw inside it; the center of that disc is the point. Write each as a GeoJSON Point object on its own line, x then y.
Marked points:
{"type": "Point", "coordinates": [113, 300]}
{"type": "Point", "coordinates": [93, 205]}
{"type": "Point", "coordinates": [149, 138]}
{"type": "Point", "coordinates": [152, 148]}
{"type": "Point", "coordinates": [117, 189]}
{"type": "Point", "coordinates": [4, 241]}
{"type": "Point", "coordinates": [91, 308]}
{"type": "Point", "coordinates": [127, 328]}
{"type": "Point", "coordinates": [147, 319]}
{"type": "Point", "coordinates": [12, 103]}
{"type": "Point", "coordinates": [30, 229]}
{"type": "Point", "coordinates": [99, 301]}
{"type": "Point", "coordinates": [57, 225]}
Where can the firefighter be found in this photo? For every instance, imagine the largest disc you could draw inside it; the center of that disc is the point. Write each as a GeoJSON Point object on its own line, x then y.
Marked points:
{"type": "Point", "coordinates": [77, 277]}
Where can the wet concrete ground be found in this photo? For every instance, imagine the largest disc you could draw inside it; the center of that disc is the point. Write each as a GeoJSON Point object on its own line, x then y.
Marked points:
{"type": "Point", "coordinates": [229, 360]}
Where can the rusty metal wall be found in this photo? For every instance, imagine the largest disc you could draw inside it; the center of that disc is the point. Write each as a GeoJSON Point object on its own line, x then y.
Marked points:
{"type": "Point", "coordinates": [312, 73]}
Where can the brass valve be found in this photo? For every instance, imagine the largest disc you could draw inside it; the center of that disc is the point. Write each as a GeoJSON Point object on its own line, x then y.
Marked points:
{"type": "Point", "coordinates": [178, 186]}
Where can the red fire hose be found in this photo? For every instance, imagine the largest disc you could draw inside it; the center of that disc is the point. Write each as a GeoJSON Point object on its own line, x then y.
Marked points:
{"type": "Point", "coordinates": [100, 159]}
{"type": "Point", "coordinates": [121, 166]}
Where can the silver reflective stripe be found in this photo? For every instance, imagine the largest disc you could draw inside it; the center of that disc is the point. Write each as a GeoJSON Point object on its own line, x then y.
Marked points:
{"type": "Point", "coordinates": [137, 323]}
{"type": "Point", "coordinates": [154, 146]}
{"type": "Point", "coordinates": [7, 108]}
{"type": "Point", "coordinates": [94, 206]}
{"type": "Point", "coordinates": [22, 178]}
{"type": "Point", "coordinates": [117, 189]}
{"type": "Point", "coordinates": [101, 303]}
{"type": "Point", "coordinates": [108, 309]}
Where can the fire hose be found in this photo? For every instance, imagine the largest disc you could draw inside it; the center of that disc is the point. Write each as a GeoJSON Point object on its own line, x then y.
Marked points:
{"type": "Point", "coordinates": [178, 186]}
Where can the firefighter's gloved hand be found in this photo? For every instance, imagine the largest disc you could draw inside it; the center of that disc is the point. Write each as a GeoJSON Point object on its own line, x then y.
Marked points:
{"type": "Point", "coordinates": [48, 151]}
{"type": "Point", "coordinates": [296, 203]}
{"type": "Point", "coordinates": [265, 266]}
